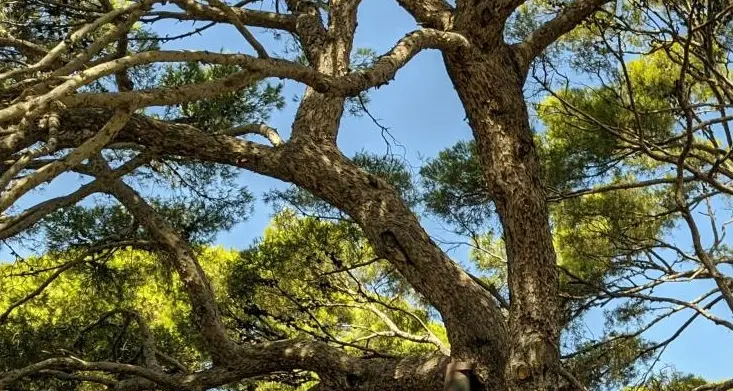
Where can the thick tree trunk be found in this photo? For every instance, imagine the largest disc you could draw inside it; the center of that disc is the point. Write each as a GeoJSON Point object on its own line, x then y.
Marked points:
{"type": "Point", "coordinates": [474, 324]}
{"type": "Point", "coordinates": [490, 86]}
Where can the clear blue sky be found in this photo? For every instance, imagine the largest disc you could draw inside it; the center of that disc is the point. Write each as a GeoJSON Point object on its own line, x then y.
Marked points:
{"type": "Point", "coordinates": [423, 112]}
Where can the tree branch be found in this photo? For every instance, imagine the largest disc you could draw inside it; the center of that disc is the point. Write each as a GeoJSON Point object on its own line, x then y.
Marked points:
{"type": "Point", "coordinates": [551, 31]}
{"type": "Point", "coordinates": [333, 365]}
{"type": "Point", "coordinates": [12, 225]}
{"type": "Point", "coordinates": [195, 282]}
{"type": "Point", "coordinates": [72, 363]}
{"type": "Point", "coordinates": [392, 228]}
{"type": "Point", "coordinates": [165, 96]}
{"type": "Point", "coordinates": [234, 19]}
{"type": "Point", "coordinates": [77, 35]}
{"type": "Point", "coordinates": [437, 14]}
{"type": "Point", "coordinates": [263, 130]}
{"type": "Point", "coordinates": [29, 49]}
{"type": "Point", "coordinates": [52, 170]}
{"type": "Point", "coordinates": [249, 17]}
{"type": "Point", "coordinates": [352, 84]}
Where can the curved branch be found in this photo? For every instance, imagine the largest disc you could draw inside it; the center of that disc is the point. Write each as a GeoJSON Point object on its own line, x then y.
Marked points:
{"type": "Point", "coordinates": [383, 70]}
{"type": "Point", "coordinates": [437, 14]}
{"type": "Point", "coordinates": [12, 225]}
{"type": "Point", "coordinates": [392, 228]}
{"type": "Point", "coordinates": [52, 170]}
{"type": "Point", "coordinates": [570, 17]}
{"type": "Point", "coordinates": [72, 363]}
{"type": "Point", "coordinates": [263, 130]}
{"type": "Point", "coordinates": [195, 282]}
{"type": "Point", "coordinates": [333, 365]}
{"type": "Point", "coordinates": [249, 17]}
{"type": "Point", "coordinates": [53, 54]}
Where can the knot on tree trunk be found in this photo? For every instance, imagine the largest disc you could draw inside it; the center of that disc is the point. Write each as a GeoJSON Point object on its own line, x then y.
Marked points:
{"type": "Point", "coordinates": [531, 364]}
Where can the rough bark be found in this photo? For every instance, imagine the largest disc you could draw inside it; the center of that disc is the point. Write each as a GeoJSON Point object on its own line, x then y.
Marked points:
{"type": "Point", "coordinates": [490, 86]}
{"type": "Point", "coordinates": [475, 325]}
{"type": "Point", "coordinates": [521, 354]}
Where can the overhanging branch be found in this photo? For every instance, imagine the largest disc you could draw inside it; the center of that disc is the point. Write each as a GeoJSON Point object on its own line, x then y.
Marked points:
{"type": "Point", "coordinates": [383, 70]}
{"type": "Point", "coordinates": [195, 282]}
{"type": "Point", "coordinates": [436, 14]}
{"type": "Point", "coordinates": [570, 17]}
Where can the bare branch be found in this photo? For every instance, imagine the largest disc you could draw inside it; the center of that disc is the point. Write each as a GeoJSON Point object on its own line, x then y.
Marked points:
{"type": "Point", "coordinates": [50, 122]}
{"type": "Point", "coordinates": [165, 96]}
{"type": "Point", "coordinates": [248, 17]}
{"type": "Point", "coordinates": [119, 30]}
{"type": "Point", "coordinates": [29, 49]}
{"type": "Point", "coordinates": [263, 130]}
{"type": "Point", "coordinates": [234, 19]}
{"type": "Point", "coordinates": [380, 73]}
{"type": "Point", "coordinates": [72, 363]}
{"type": "Point", "coordinates": [52, 170]}
{"type": "Point", "coordinates": [12, 225]}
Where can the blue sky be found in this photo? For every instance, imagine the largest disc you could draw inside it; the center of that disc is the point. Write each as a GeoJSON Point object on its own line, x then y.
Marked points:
{"type": "Point", "coordinates": [424, 115]}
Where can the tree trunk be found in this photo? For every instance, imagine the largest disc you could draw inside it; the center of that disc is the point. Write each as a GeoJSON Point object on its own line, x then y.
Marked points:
{"type": "Point", "coordinates": [489, 83]}
{"type": "Point", "coordinates": [474, 324]}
